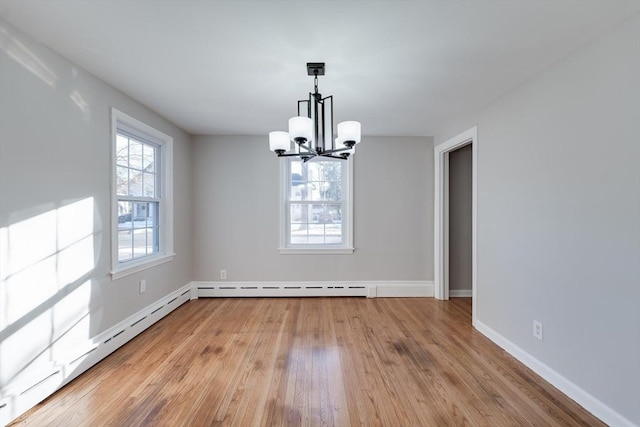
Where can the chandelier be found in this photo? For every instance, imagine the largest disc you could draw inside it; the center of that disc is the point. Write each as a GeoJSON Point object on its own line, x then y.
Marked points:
{"type": "Point", "coordinates": [311, 130]}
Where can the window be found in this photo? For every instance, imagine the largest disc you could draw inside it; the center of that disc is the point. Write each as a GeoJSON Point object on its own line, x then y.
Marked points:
{"type": "Point", "coordinates": [316, 206]}
{"type": "Point", "coordinates": [142, 196]}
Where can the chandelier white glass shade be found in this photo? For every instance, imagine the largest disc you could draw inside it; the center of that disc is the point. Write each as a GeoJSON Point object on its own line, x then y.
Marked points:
{"type": "Point", "coordinates": [349, 131]}
{"type": "Point", "coordinates": [279, 141]}
{"type": "Point", "coordinates": [311, 130]}
{"type": "Point", "coordinates": [301, 128]}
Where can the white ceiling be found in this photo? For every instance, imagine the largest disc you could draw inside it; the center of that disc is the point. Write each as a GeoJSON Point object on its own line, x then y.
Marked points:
{"type": "Point", "coordinates": [238, 67]}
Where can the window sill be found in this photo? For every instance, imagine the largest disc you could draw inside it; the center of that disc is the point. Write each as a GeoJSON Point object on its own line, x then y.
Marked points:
{"type": "Point", "coordinates": [316, 251]}
{"type": "Point", "coordinates": [140, 265]}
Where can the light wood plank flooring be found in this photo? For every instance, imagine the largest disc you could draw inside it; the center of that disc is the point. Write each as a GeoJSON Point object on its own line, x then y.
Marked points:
{"type": "Point", "coordinates": [316, 361]}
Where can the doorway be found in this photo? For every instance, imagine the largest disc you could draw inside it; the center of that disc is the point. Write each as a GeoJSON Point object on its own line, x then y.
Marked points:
{"type": "Point", "coordinates": [441, 203]}
{"type": "Point", "coordinates": [458, 222]}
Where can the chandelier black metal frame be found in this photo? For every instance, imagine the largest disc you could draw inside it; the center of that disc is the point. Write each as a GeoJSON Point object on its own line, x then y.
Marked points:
{"type": "Point", "coordinates": [311, 130]}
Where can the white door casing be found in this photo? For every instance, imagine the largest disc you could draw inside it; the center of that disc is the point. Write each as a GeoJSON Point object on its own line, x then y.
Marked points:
{"type": "Point", "coordinates": [441, 212]}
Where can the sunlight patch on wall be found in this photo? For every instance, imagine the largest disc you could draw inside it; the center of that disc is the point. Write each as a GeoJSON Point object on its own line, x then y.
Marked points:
{"type": "Point", "coordinates": [45, 290]}
{"type": "Point", "coordinates": [81, 104]}
{"type": "Point", "coordinates": [25, 57]}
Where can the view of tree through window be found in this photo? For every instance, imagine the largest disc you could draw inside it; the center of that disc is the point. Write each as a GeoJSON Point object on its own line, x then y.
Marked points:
{"type": "Point", "coordinates": [137, 197]}
{"type": "Point", "coordinates": [316, 202]}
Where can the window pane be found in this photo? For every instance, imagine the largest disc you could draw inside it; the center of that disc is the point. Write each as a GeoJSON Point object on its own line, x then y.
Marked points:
{"type": "Point", "coordinates": [135, 183]}
{"type": "Point", "coordinates": [298, 234]}
{"type": "Point", "coordinates": [296, 168]}
{"type": "Point", "coordinates": [317, 214]}
{"type": "Point", "coordinates": [296, 178]}
{"type": "Point", "coordinates": [310, 170]}
{"type": "Point", "coordinates": [333, 234]}
{"type": "Point", "coordinates": [298, 192]}
{"type": "Point", "coordinates": [122, 150]}
{"type": "Point", "coordinates": [298, 239]}
{"type": "Point", "coordinates": [298, 183]}
{"type": "Point", "coordinates": [122, 181]}
{"type": "Point", "coordinates": [156, 239]}
{"type": "Point", "coordinates": [125, 245]}
{"type": "Point", "coordinates": [139, 242]}
{"type": "Point", "coordinates": [325, 213]}
{"type": "Point", "coordinates": [141, 214]}
{"type": "Point", "coordinates": [149, 185]}
{"type": "Point", "coordinates": [332, 170]}
{"type": "Point", "coordinates": [152, 245]}
{"type": "Point", "coordinates": [135, 154]}
{"type": "Point", "coordinates": [324, 181]}
{"type": "Point", "coordinates": [296, 213]}
{"type": "Point", "coordinates": [313, 191]}
{"type": "Point", "coordinates": [316, 234]}
{"type": "Point", "coordinates": [145, 228]}
{"type": "Point", "coordinates": [334, 214]}
{"type": "Point", "coordinates": [330, 190]}
{"type": "Point", "coordinates": [125, 218]}
{"type": "Point", "coordinates": [152, 219]}
{"type": "Point", "coordinates": [148, 158]}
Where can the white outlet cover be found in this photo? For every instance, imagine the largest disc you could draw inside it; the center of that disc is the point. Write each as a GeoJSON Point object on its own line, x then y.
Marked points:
{"type": "Point", "coordinates": [537, 329]}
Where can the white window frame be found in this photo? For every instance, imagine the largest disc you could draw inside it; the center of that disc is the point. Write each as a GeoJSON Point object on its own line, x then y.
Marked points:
{"type": "Point", "coordinates": [347, 214]}
{"type": "Point", "coordinates": [130, 125]}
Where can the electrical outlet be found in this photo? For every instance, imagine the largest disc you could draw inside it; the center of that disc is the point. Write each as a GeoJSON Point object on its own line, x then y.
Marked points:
{"type": "Point", "coordinates": [223, 274]}
{"type": "Point", "coordinates": [537, 329]}
{"type": "Point", "coordinates": [143, 286]}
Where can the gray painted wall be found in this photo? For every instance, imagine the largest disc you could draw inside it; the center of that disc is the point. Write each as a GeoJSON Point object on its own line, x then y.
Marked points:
{"type": "Point", "coordinates": [236, 193]}
{"type": "Point", "coordinates": [460, 209]}
{"type": "Point", "coordinates": [559, 217]}
{"type": "Point", "coordinates": [55, 163]}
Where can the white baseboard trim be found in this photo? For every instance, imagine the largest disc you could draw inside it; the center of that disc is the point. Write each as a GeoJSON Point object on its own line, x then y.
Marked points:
{"type": "Point", "coordinates": [393, 289]}
{"type": "Point", "coordinates": [369, 289]}
{"type": "Point", "coordinates": [460, 293]}
{"type": "Point", "coordinates": [16, 399]}
{"type": "Point", "coordinates": [583, 398]}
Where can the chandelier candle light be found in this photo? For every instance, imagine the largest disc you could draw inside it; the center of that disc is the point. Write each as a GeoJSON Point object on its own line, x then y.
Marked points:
{"type": "Point", "coordinates": [312, 129]}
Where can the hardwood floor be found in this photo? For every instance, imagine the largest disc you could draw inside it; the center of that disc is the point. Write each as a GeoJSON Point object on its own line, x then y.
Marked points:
{"type": "Point", "coordinates": [316, 361]}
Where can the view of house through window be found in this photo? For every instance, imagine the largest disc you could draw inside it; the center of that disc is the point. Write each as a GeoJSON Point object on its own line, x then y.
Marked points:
{"type": "Point", "coordinates": [316, 200]}
{"type": "Point", "coordinates": [137, 197]}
